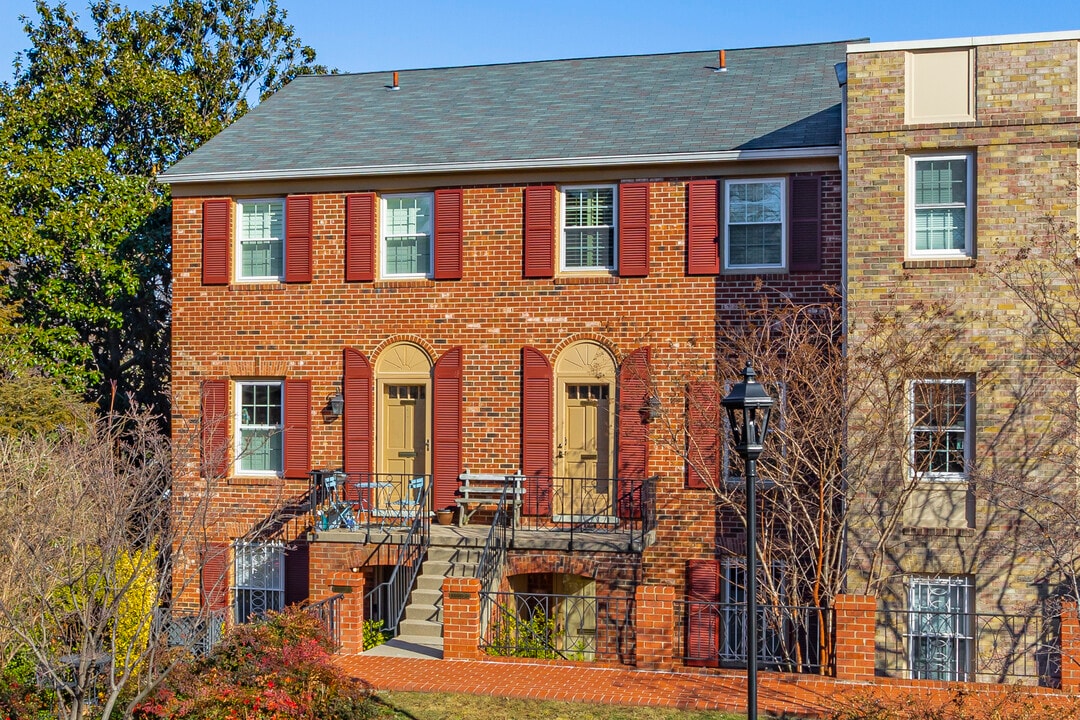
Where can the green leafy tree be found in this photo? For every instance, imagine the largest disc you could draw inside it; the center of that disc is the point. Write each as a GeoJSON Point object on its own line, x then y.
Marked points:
{"type": "Point", "coordinates": [97, 108]}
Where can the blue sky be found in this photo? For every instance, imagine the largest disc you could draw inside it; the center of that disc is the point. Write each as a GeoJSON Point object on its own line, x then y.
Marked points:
{"type": "Point", "coordinates": [361, 36]}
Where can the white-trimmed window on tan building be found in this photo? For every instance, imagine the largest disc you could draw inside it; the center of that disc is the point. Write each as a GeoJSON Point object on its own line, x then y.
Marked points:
{"type": "Point", "coordinates": [940, 633]}
{"type": "Point", "coordinates": [940, 206]}
{"type": "Point", "coordinates": [259, 427]}
{"type": "Point", "coordinates": [941, 424]}
{"type": "Point", "coordinates": [755, 228]}
{"type": "Point", "coordinates": [589, 228]}
{"type": "Point", "coordinates": [406, 244]}
{"type": "Point", "coordinates": [261, 240]}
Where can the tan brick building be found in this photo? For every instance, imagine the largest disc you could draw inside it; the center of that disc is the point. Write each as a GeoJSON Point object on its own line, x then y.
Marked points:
{"type": "Point", "coordinates": [957, 153]}
{"type": "Point", "coordinates": [495, 269]}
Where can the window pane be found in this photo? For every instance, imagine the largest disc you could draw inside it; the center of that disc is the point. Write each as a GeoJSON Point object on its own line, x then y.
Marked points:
{"type": "Point", "coordinates": [589, 248]}
{"type": "Point", "coordinates": [589, 229]}
{"type": "Point", "coordinates": [260, 450]}
{"type": "Point", "coordinates": [408, 215]}
{"type": "Point", "coordinates": [589, 207]}
{"type": "Point", "coordinates": [940, 228]}
{"type": "Point", "coordinates": [941, 182]}
{"type": "Point", "coordinates": [261, 233]}
{"type": "Point", "coordinates": [260, 427]}
{"type": "Point", "coordinates": [754, 245]}
{"type": "Point", "coordinates": [261, 221]}
{"type": "Point", "coordinates": [755, 223]}
{"type": "Point", "coordinates": [407, 243]}
{"type": "Point", "coordinates": [261, 259]}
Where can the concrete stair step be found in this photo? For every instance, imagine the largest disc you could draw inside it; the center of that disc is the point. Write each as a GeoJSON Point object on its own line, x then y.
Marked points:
{"type": "Point", "coordinates": [444, 568]}
{"type": "Point", "coordinates": [423, 611]}
{"type": "Point", "coordinates": [455, 554]}
{"type": "Point", "coordinates": [426, 596]}
{"type": "Point", "coordinates": [415, 629]}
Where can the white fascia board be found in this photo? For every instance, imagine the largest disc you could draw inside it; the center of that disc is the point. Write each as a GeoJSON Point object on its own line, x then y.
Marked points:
{"type": "Point", "coordinates": [489, 165]}
{"type": "Point", "coordinates": [856, 48]}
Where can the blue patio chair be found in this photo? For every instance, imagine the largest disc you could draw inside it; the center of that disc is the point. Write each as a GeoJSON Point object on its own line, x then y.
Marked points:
{"type": "Point", "coordinates": [338, 512]}
{"type": "Point", "coordinates": [410, 502]}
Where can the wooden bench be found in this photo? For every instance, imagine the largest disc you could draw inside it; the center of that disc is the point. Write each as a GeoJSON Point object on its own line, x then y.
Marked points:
{"type": "Point", "coordinates": [485, 490]}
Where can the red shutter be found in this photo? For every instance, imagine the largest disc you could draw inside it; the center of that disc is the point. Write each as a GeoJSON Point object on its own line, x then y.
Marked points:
{"type": "Point", "coordinates": [703, 434]}
{"type": "Point", "coordinates": [634, 230]}
{"type": "Point", "coordinates": [633, 460]}
{"type": "Point", "coordinates": [214, 577]}
{"type": "Point", "coordinates": [446, 451]}
{"type": "Point", "coordinates": [702, 228]}
{"type": "Point", "coordinates": [360, 237]}
{"type": "Point", "coordinates": [298, 239]}
{"type": "Point", "coordinates": [703, 617]}
{"type": "Point", "coordinates": [215, 428]}
{"type": "Point", "coordinates": [448, 234]}
{"type": "Point", "coordinates": [537, 428]}
{"type": "Point", "coordinates": [540, 231]}
{"type": "Point", "coordinates": [804, 233]}
{"type": "Point", "coordinates": [356, 420]}
{"type": "Point", "coordinates": [216, 229]}
{"type": "Point", "coordinates": [297, 433]}
{"type": "Point", "coordinates": [297, 564]}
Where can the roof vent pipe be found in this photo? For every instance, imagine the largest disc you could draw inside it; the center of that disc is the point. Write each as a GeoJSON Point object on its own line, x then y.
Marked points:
{"type": "Point", "coordinates": [721, 61]}
{"type": "Point", "coordinates": [395, 86]}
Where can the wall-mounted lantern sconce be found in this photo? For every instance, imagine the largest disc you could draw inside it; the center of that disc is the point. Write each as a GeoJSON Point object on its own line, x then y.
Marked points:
{"type": "Point", "coordinates": [337, 404]}
{"type": "Point", "coordinates": [650, 411]}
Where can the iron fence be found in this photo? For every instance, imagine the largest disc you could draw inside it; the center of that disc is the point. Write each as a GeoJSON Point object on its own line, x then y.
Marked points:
{"type": "Point", "coordinates": [328, 612]}
{"type": "Point", "coordinates": [791, 638]}
{"type": "Point", "coordinates": [968, 647]}
{"type": "Point", "coordinates": [199, 632]}
{"type": "Point", "coordinates": [489, 571]}
{"type": "Point", "coordinates": [561, 626]}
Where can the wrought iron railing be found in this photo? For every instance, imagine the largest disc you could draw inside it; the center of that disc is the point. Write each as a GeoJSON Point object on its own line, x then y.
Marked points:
{"type": "Point", "coordinates": [328, 612]}
{"type": "Point", "coordinates": [968, 647]}
{"type": "Point", "coordinates": [360, 502]}
{"type": "Point", "coordinates": [489, 571]}
{"type": "Point", "coordinates": [588, 506]}
{"type": "Point", "coordinates": [567, 627]}
{"type": "Point", "coordinates": [387, 600]}
{"type": "Point", "coordinates": [199, 632]}
{"type": "Point", "coordinates": [791, 638]}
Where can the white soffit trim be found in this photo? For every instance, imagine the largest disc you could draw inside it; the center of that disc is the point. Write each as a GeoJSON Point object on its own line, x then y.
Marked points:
{"type": "Point", "coordinates": [963, 42]}
{"type": "Point", "coordinates": [483, 165]}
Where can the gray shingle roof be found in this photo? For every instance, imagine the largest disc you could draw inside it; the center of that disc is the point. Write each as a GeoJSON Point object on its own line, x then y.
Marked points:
{"type": "Point", "coordinates": [611, 107]}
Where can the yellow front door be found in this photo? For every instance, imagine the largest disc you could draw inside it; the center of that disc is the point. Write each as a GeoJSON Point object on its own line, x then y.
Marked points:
{"type": "Point", "coordinates": [584, 486]}
{"type": "Point", "coordinates": [404, 432]}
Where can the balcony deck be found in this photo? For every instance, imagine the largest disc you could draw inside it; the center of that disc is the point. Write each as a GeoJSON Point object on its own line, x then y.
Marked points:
{"type": "Point", "coordinates": [605, 540]}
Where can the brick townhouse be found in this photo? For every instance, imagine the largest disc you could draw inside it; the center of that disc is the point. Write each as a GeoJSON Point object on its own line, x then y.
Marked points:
{"type": "Point", "coordinates": [958, 152]}
{"type": "Point", "coordinates": [408, 282]}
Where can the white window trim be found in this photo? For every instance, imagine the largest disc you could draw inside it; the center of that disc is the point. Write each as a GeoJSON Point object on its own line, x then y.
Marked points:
{"type": "Point", "coordinates": [782, 265]}
{"type": "Point", "coordinates": [237, 435]}
{"type": "Point", "coordinates": [968, 425]}
{"type": "Point", "coordinates": [383, 216]}
{"type": "Point", "coordinates": [614, 229]}
{"type": "Point", "coordinates": [238, 265]}
{"type": "Point", "coordinates": [969, 215]}
{"type": "Point", "coordinates": [248, 552]}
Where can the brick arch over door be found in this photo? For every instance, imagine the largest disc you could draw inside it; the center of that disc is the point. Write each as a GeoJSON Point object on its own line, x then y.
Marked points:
{"type": "Point", "coordinates": [556, 564]}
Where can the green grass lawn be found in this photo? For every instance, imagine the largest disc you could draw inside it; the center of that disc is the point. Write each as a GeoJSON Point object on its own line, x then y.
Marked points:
{"type": "Point", "coordinates": [452, 706]}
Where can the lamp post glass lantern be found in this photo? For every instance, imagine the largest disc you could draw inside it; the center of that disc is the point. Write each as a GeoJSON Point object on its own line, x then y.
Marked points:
{"type": "Point", "coordinates": [749, 407]}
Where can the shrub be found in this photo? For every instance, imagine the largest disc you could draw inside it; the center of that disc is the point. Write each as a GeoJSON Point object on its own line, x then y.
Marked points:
{"type": "Point", "coordinates": [512, 636]}
{"type": "Point", "coordinates": [276, 669]}
{"type": "Point", "coordinates": [1001, 703]}
{"type": "Point", "coordinates": [374, 635]}
{"type": "Point", "coordinates": [20, 696]}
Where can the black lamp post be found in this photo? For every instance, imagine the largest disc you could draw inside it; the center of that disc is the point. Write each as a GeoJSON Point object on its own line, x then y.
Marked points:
{"type": "Point", "coordinates": [749, 407]}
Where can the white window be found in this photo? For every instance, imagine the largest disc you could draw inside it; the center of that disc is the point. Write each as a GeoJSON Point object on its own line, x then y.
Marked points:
{"type": "Point", "coordinates": [259, 427]}
{"type": "Point", "coordinates": [940, 194]}
{"type": "Point", "coordinates": [406, 235]}
{"type": "Point", "coordinates": [755, 232]}
{"type": "Point", "coordinates": [940, 628]}
{"type": "Point", "coordinates": [260, 579]}
{"type": "Point", "coordinates": [940, 428]}
{"type": "Point", "coordinates": [261, 239]}
{"type": "Point", "coordinates": [588, 228]}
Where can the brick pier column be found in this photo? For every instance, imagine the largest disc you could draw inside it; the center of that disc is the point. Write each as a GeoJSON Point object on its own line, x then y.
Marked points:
{"type": "Point", "coordinates": [654, 626]}
{"type": "Point", "coordinates": [461, 618]}
{"type": "Point", "coordinates": [351, 610]}
{"type": "Point", "coordinates": [855, 631]}
{"type": "Point", "coordinates": [1070, 647]}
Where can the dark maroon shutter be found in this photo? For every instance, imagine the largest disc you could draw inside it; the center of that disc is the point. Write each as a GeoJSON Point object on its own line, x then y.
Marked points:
{"type": "Point", "coordinates": [702, 228]}
{"type": "Point", "coordinates": [298, 239]}
{"type": "Point", "coordinates": [703, 434]}
{"type": "Point", "coordinates": [356, 420]}
{"type": "Point", "coordinates": [215, 428]}
{"type": "Point", "coordinates": [214, 577]}
{"type": "Point", "coordinates": [804, 238]}
{"type": "Point", "coordinates": [703, 617]}
{"type": "Point", "coordinates": [360, 237]}
{"type": "Point", "coordinates": [539, 231]}
{"type": "Point", "coordinates": [448, 234]}
{"type": "Point", "coordinates": [446, 458]}
{"type": "Point", "coordinates": [216, 228]}
{"type": "Point", "coordinates": [297, 564]}
{"type": "Point", "coordinates": [634, 229]}
{"type": "Point", "coordinates": [537, 428]}
{"type": "Point", "coordinates": [297, 433]}
{"type": "Point", "coordinates": [634, 390]}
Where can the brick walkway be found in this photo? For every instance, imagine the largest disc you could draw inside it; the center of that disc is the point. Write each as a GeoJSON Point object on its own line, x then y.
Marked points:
{"type": "Point", "coordinates": [777, 694]}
